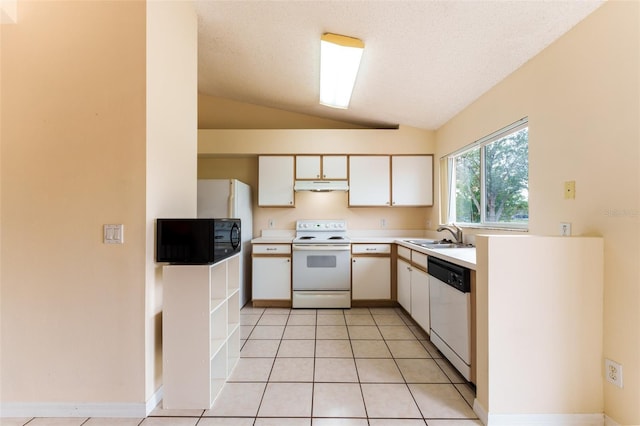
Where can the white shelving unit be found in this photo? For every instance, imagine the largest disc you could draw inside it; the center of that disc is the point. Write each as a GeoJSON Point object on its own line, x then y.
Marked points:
{"type": "Point", "coordinates": [200, 331]}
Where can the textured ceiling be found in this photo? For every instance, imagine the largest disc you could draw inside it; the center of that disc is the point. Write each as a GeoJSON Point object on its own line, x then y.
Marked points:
{"type": "Point", "coordinates": [424, 61]}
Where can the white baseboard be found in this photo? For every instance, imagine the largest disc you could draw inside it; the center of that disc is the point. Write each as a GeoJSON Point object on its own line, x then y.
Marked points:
{"type": "Point", "coordinates": [81, 409]}
{"type": "Point", "coordinates": [608, 421]}
{"type": "Point", "coordinates": [596, 419]}
{"type": "Point", "coordinates": [153, 402]}
{"type": "Point", "coordinates": [481, 412]}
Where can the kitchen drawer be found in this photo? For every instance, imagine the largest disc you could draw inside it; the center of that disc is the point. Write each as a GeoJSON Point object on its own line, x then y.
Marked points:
{"type": "Point", "coordinates": [272, 249]}
{"type": "Point", "coordinates": [419, 259]}
{"type": "Point", "coordinates": [404, 252]}
{"type": "Point", "coordinates": [370, 248]}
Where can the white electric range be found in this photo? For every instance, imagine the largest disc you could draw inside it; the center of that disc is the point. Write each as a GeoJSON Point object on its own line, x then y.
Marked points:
{"type": "Point", "coordinates": [321, 264]}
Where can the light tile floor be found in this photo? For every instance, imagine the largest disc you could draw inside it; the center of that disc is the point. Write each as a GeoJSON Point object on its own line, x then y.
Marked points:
{"type": "Point", "coordinates": [326, 367]}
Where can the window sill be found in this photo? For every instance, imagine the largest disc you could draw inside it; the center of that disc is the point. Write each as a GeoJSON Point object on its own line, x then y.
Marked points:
{"type": "Point", "coordinates": [493, 227]}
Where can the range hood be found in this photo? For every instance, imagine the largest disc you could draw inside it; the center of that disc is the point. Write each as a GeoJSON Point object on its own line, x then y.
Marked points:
{"type": "Point", "coordinates": [321, 185]}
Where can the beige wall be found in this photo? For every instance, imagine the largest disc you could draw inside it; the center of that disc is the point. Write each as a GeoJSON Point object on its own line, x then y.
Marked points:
{"type": "Point", "coordinates": [73, 159]}
{"type": "Point", "coordinates": [582, 98]}
{"type": "Point", "coordinates": [541, 326]}
{"type": "Point", "coordinates": [99, 113]}
{"type": "Point", "coordinates": [219, 113]}
{"type": "Point", "coordinates": [172, 71]}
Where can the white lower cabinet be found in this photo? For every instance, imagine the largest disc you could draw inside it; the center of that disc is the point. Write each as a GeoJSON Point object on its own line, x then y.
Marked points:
{"type": "Point", "coordinates": [404, 285]}
{"type": "Point", "coordinates": [370, 278]}
{"type": "Point", "coordinates": [200, 331]}
{"type": "Point", "coordinates": [420, 298]}
{"type": "Point", "coordinates": [271, 272]}
{"type": "Point", "coordinates": [371, 272]}
{"type": "Point", "coordinates": [413, 286]}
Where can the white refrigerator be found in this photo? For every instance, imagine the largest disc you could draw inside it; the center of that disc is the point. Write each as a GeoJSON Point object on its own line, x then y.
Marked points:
{"type": "Point", "coordinates": [230, 198]}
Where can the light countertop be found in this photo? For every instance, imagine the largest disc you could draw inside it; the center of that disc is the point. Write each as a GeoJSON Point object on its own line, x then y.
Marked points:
{"type": "Point", "coordinates": [464, 256]}
{"type": "Point", "coordinates": [272, 240]}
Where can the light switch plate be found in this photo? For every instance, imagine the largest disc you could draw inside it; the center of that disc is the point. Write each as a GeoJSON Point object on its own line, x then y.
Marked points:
{"type": "Point", "coordinates": [113, 234]}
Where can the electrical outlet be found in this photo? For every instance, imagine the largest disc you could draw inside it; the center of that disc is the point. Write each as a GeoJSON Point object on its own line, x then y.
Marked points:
{"type": "Point", "coordinates": [565, 229]}
{"type": "Point", "coordinates": [383, 223]}
{"type": "Point", "coordinates": [613, 372]}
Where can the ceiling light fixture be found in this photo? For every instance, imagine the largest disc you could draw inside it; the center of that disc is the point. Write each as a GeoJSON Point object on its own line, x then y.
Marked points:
{"type": "Point", "coordinates": [339, 62]}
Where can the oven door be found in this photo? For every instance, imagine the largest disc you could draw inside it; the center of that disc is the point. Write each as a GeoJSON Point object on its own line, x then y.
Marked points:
{"type": "Point", "coordinates": [321, 267]}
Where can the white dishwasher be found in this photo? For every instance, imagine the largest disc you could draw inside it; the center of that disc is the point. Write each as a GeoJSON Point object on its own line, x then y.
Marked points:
{"type": "Point", "coordinates": [450, 304]}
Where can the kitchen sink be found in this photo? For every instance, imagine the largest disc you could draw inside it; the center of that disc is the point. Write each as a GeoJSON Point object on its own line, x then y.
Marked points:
{"type": "Point", "coordinates": [433, 244]}
{"type": "Point", "coordinates": [420, 242]}
{"type": "Point", "coordinates": [441, 245]}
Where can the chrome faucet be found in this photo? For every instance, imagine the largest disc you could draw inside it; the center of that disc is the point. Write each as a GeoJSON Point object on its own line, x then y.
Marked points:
{"type": "Point", "coordinates": [454, 229]}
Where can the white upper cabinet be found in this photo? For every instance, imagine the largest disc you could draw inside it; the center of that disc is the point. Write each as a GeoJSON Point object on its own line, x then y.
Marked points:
{"type": "Point", "coordinates": [334, 167]}
{"type": "Point", "coordinates": [412, 180]}
{"type": "Point", "coordinates": [308, 167]}
{"type": "Point", "coordinates": [275, 180]}
{"type": "Point", "coordinates": [369, 180]}
{"type": "Point", "coordinates": [321, 167]}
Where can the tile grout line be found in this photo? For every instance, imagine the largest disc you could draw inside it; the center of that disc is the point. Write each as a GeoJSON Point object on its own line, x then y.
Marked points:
{"type": "Point", "coordinates": [353, 356]}
{"type": "Point", "coordinates": [266, 386]}
{"type": "Point", "coordinates": [355, 364]}
{"type": "Point", "coordinates": [313, 375]}
{"type": "Point", "coordinates": [441, 369]}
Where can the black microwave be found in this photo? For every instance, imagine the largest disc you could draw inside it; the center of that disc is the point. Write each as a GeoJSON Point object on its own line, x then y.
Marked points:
{"type": "Point", "coordinates": [196, 241]}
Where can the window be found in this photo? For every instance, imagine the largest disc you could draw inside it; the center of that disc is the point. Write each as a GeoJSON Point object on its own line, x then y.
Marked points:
{"type": "Point", "coordinates": [486, 184]}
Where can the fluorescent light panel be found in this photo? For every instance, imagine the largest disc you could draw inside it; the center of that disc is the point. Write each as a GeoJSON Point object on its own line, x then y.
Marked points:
{"type": "Point", "coordinates": [339, 63]}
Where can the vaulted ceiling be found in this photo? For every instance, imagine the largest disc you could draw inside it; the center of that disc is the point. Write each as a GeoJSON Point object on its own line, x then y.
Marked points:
{"type": "Point", "coordinates": [424, 61]}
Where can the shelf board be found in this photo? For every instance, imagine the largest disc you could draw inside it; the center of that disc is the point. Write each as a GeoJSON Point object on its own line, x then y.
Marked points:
{"type": "Point", "coordinates": [216, 304]}
{"type": "Point", "coordinates": [216, 388]}
{"type": "Point", "coordinates": [233, 326]}
{"type": "Point", "coordinates": [216, 346]}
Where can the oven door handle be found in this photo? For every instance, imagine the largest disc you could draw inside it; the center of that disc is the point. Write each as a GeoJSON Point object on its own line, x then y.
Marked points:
{"type": "Point", "coordinates": [321, 247]}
